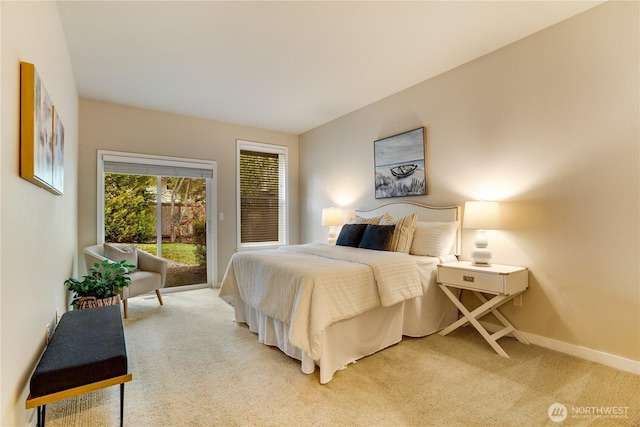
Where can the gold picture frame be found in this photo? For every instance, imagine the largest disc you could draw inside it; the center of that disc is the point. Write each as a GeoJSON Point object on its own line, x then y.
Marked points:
{"type": "Point", "coordinates": [37, 133]}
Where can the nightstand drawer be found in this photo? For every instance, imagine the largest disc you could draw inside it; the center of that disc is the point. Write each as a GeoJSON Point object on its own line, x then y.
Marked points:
{"type": "Point", "coordinates": [497, 282]}
{"type": "Point", "coordinates": [472, 280]}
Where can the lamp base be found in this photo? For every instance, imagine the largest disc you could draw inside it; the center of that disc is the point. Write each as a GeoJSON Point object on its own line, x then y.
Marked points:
{"type": "Point", "coordinates": [481, 256]}
{"type": "Point", "coordinates": [332, 236]}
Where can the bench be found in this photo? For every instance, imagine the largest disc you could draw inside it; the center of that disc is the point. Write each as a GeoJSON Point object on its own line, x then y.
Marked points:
{"type": "Point", "coordinates": [87, 352]}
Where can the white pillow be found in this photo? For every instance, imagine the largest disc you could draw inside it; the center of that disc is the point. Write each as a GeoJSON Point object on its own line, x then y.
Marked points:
{"type": "Point", "coordinates": [119, 253]}
{"type": "Point", "coordinates": [433, 238]}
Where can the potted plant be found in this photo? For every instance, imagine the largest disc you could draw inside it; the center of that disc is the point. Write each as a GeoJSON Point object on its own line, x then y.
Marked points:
{"type": "Point", "coordinates": [101, 286]}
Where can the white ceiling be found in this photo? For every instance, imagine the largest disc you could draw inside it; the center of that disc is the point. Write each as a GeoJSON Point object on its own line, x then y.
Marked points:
{"type": "Point", "coordinates": [288, 66]}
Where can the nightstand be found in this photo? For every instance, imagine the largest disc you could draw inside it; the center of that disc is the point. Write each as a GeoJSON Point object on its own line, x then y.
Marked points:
{"type": "Point", "coordinates": [504, 282]}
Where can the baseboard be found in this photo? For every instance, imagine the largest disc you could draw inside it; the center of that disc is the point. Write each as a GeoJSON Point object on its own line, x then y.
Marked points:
{"type": "Point", "coordinates": [183, 288]}
{"type": "Point", "coordinates": [607, 359]}
{"type": "Point", "coordinates": [589, 354]}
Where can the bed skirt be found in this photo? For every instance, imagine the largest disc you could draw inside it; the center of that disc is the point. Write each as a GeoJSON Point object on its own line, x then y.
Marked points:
{"type": "Point", "coordinates": [348, 340]}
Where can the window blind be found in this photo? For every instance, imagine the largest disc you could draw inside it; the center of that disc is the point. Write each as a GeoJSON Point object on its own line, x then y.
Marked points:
{"type": "Point", "coordinates": [262, 197]}
{"type": "Point", "coordinates": [153, 168]}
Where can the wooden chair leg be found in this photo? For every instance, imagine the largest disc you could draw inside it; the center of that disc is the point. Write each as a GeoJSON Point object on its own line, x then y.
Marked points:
{"type": "Point", "coordinates": [126, 312]}
{"type": "Point", "coordinates": [159, 296]}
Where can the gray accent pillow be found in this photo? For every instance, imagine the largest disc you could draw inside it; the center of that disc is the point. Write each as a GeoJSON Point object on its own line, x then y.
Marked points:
{"type": "Point", "coordinates": [351, 234]}
{"type": "Point", "coordinates": [377, 237]}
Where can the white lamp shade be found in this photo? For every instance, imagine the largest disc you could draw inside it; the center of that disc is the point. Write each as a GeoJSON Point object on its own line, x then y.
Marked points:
{"type": "Point", "coordinates": [332, 216]}
{"type": "Point", "coordinates": [482, 215]}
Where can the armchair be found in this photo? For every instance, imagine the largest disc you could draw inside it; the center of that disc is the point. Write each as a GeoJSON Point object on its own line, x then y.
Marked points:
{"type": "Point", "coordinates": [149, 276]}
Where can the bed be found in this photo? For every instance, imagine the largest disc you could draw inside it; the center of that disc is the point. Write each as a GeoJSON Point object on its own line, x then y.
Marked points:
{"type": "Point", "coordinates": [330, 305]}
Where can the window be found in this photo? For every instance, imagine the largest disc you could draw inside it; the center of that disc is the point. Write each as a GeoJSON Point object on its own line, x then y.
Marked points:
{"type": "Point", "coordinates": [262, 201]}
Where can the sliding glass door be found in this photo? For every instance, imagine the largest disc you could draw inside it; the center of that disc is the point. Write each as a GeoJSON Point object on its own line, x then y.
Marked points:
{"type": "Point", "coordinates": [163, 210]}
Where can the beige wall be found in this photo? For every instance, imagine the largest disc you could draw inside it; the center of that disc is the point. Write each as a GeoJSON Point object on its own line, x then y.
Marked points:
{"type": "Point", "coordinates": [549, 125]}
{"type": "Point", "coordinates": [37, 229]}
{"type": "Point", "coordinates": [105, 126]}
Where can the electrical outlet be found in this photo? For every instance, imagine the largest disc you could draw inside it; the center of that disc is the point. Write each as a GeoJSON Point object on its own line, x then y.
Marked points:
{"type": "Point", "coordinates": [57, 317]}
{"type": "Point", "coordinates": [517, 301]}
{"type": "Point", "coordinates": [47, 333]}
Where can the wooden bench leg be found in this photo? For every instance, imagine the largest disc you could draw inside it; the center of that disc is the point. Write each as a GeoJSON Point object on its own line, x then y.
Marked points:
{"type": "Point", "coordinates": [159, 296]}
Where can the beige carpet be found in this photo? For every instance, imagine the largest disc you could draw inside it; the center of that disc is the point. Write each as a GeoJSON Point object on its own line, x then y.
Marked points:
{"type": "Point", "coordinates": [193, 366]}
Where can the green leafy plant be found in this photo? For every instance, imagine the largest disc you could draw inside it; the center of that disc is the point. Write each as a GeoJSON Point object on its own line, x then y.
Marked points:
{"type": "Point", "coordinates": [200, 239]}
{"type": "Point", "coordinates": [104, 280]}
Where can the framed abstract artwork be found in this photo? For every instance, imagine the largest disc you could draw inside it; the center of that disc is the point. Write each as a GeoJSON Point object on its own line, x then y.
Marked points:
{"type": "Point", "coordinates": [57, 182]}
{"type": "Point", "coordinates": [400, 166]}
{"type": "Point", "coordinates": [37, 127]}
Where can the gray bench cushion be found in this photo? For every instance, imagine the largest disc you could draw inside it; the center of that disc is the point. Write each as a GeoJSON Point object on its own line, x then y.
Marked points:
{"type": "Point", "coordinates": [87, 346]}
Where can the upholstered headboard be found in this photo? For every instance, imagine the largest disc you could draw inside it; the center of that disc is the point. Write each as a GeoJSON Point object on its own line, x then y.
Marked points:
{"type": "Point", "coordinates": [425, 213]}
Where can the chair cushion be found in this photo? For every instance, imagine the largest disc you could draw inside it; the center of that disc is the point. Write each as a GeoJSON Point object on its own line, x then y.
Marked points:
{"type": "Point", "coordinates": [141, 283]}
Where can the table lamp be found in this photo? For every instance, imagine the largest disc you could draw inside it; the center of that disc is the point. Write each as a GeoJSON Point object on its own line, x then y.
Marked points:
{"type": "Point", "coordinates": [332, 217]}
{"type": "Point", "coordinates": [482, 216]}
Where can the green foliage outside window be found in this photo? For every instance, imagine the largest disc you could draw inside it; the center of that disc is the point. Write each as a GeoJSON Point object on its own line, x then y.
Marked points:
{"type": "Point", "coordinates": [259, 196]}
{"type": "Point", "coordinates": [200, 240]}
{"type": "Point", "coordinates": [129, 206]}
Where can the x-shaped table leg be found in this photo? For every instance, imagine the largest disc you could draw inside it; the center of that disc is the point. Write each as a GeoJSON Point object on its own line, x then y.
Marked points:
{"type": "Point", "coordinates": [488, 306]}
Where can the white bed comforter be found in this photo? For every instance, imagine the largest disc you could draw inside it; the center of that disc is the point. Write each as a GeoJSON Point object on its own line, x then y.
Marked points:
{"type": "Point", "coordinates": [312, 286]}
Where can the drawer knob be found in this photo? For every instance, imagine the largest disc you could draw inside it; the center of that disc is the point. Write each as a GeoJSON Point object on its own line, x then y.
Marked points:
{"type": "Point", "coordinates": [468, 278]}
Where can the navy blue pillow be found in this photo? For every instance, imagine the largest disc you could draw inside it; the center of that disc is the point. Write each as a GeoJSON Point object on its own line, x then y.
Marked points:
{"type": "Point", "coordinates": [351, 234]}
{"type": "Point", "coordinates": [377, 237]}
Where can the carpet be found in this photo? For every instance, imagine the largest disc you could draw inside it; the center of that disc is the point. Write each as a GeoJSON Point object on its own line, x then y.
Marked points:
{"type": "Point", "coordinates": [193, 366]}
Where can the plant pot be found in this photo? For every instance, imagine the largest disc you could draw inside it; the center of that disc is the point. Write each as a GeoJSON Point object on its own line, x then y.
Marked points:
{"type": "Point", "coordinates": [90, 302]}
